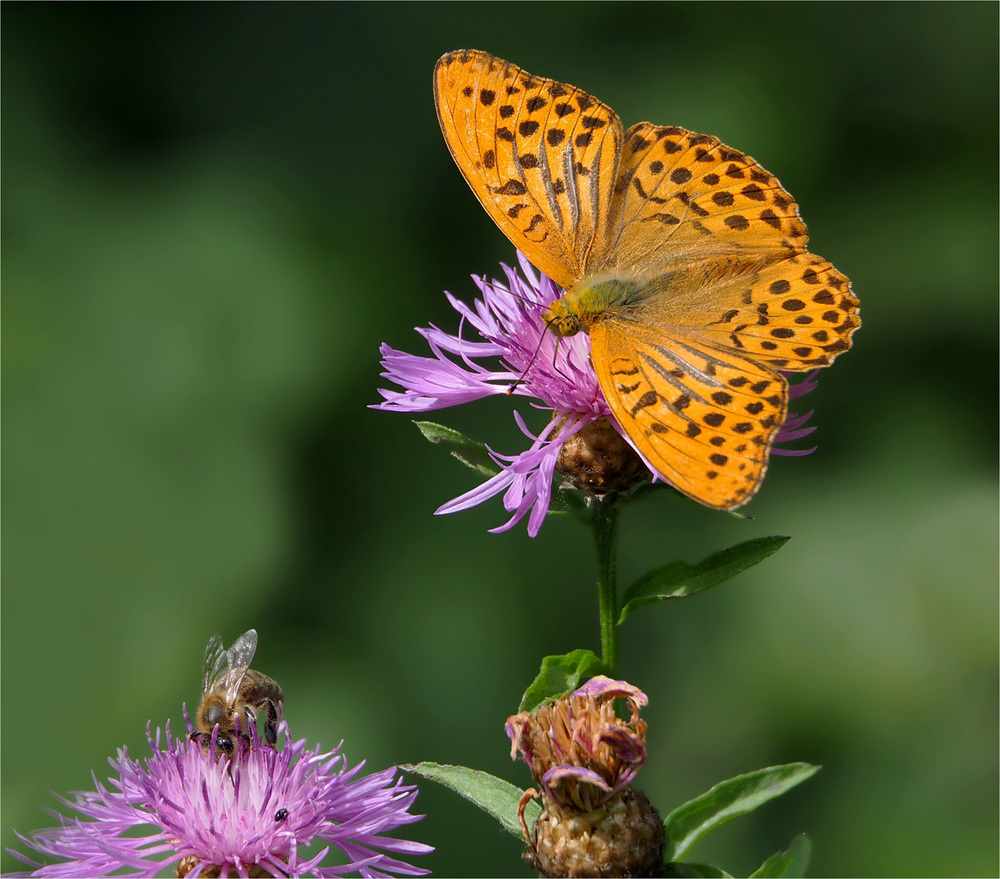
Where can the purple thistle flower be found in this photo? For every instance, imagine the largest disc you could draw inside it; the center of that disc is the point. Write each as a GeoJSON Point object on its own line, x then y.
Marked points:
{"type": "Point", "coordinates": [249, 815]}
{"type": "Point", "coordinates": [561, 376]}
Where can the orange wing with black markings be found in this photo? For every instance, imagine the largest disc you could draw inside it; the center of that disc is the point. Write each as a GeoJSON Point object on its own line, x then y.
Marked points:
{"type": "Point", "coordinates": [684, 259]}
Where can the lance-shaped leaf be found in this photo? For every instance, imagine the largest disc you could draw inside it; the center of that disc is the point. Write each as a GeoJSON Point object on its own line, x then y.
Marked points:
{"type": "Point", "coordinates": [695, 871]}
{"type": "Point", "coordinates": [680, 580]}
{"type": "Point", "coordinates": [560, 674]}
{"type": "Point", "coordinates": [493, 795]}
{"type": "Point", "coordinates": [729, 799]}
{"type": "Point", "coordinates": [470, 452]}
{"type": "Point", "coordinates": [791, 863]}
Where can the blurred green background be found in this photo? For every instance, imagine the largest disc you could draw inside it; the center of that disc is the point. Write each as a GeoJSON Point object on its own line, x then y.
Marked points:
{"type": "Point", "coordinates": [212, 216]}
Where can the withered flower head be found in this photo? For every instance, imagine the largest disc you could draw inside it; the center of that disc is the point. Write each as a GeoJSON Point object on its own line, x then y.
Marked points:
{"type": "Point", "coordinates": [577, 748]}
{"type": "Point", "coordinates": [585, 758]}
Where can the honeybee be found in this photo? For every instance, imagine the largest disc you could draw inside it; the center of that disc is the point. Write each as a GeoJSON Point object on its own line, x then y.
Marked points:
{"type": "Point", "coordinates": [234, 696]}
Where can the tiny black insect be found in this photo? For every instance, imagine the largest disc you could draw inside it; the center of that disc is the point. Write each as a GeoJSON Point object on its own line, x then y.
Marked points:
{"type": "Point", "coordinates": [281, 815]}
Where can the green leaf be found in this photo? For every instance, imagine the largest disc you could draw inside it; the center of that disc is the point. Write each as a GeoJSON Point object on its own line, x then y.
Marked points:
{"type": "Point", "coordinates": [470, 452]}
{"type": "Point", "coordinates": [680, 580]}
{"type": "Point", "coordinates": [729, 799]}
{"type": "Point", "coordinates": [559, 675]}
{"type": "Point", "coordinates": [695, 871]}
{"type": "Point", "coordinates": [493, 795]}
{"type": "Point", "coordinates": [790, 863]}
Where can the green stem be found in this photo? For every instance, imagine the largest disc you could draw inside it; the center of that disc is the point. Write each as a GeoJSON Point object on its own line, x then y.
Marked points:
{"type": "Point", "coordinates": [606, 535]}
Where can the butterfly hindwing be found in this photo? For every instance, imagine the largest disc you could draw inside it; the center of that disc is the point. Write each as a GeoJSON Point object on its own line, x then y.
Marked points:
{"type": "Point", "coordinates": [704, 418]}
{"type": "Point", "coordinates": [795, 315]}
{"type": "Point", "coordinates": [541, 156]}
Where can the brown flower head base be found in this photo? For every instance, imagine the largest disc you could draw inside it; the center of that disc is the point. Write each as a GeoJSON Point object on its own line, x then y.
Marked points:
{"type": "Point", "coordinates": [584, 759]}
{"type": "Point", "coordinates": [598, 458]}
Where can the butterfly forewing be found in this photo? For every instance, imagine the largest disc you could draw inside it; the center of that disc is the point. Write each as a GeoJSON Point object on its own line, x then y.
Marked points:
{"type": "Point", "coordinates": [680, 194]}
{"type": "Point", "coordinates": [541, 156]}
{"type": "Point", "coordinates": [704, 418]}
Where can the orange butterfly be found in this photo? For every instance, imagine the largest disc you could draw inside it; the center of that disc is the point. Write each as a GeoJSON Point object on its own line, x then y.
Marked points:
{"type": "Point", "coordinates": [683, 259]}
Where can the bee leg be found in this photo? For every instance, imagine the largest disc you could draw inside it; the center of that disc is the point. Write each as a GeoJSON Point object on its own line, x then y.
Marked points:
{"type": "Point", "coordinates": [271, 724]}
{"type": "Point", "coordinates": [252, 718]}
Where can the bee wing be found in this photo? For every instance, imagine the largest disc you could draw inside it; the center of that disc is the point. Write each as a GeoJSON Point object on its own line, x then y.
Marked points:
{"type": "Point", "coordinates": [240, 656]}
{"type": "Point", "coordinates": [216, 663]}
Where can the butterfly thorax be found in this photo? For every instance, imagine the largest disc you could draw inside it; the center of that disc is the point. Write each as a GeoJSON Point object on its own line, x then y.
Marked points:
{"type": "Point", "coordinates": [588, 302]}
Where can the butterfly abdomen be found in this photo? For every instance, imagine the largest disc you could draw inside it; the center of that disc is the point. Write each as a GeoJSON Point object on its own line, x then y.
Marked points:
{"type": "Point", "coordinates": [588, 303]}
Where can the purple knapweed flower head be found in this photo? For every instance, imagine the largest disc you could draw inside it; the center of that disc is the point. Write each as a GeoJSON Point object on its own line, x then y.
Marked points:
{"type": "Point", "coordinates": [517, 355]}
{"type": "Point", "coordinates": [585, 759]}
{"type": "Point", "coordinates": [260, 812]}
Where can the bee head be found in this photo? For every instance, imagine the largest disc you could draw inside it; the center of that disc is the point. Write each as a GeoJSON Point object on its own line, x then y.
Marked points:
{"type": "Point", "coordinates": [213, 714]}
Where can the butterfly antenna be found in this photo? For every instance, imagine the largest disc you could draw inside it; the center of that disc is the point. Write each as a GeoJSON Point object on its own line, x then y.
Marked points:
{"type": "Point", "coordinates": [520, 379]}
